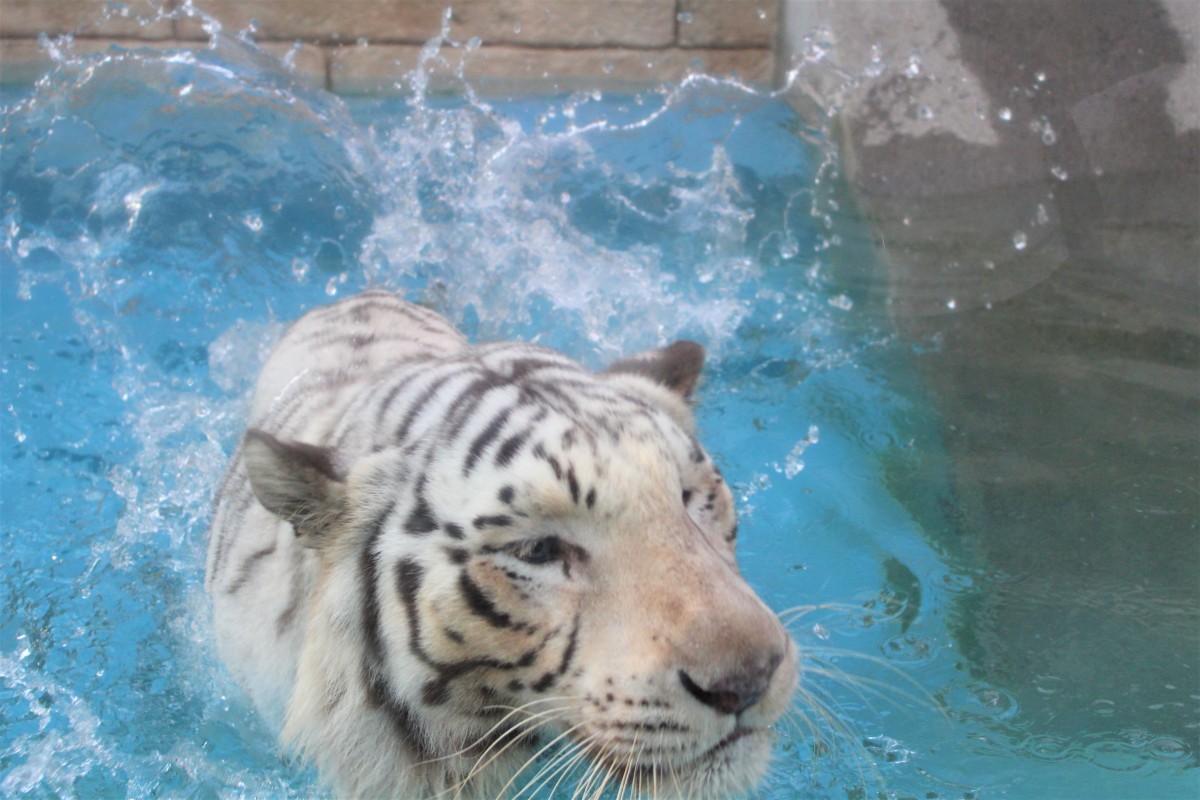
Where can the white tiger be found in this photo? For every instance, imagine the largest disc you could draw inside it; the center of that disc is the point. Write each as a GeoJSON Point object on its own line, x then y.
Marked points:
{"type": "Point", "coordinates": [431, 561]}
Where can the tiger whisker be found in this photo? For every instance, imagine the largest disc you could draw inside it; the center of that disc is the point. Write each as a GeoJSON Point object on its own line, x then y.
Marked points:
{"type": "Point", "coordinates": [790, 616]}
{"type": "Point", "coordinates": [565, 734]}
{"type": "Point", "coordinates": [842, 733]}
{"type": "Point", "coordinates": [924, 696]}
{"type": "Point", "coordinates": [559, 765]}
{"type": "Point", "coordinates": [592, 774]}
{"type": "Point", "coordinates": [570, 764]}
{"type": "Point", "coordinates": [512, 711]}
{"type": "Point", "coordinates": [504, 742]}
{"type": "Point", "coordinates": [630, 763]}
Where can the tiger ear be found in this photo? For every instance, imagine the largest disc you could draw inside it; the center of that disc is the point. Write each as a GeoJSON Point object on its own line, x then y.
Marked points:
{"type": "Point", "coordinates": [676, 366]}
{"type": "Point", "coordinates": [296, 482]}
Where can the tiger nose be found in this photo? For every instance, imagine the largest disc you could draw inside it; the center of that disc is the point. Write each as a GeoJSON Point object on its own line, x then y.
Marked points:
{"type": "Point", "coordinates": [734, 692]}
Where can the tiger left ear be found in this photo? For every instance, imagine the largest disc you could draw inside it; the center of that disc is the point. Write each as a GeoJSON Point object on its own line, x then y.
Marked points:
{"type": "Point", "coordinates": [296, 482]}
{"type": "Point", "coordinates": [676, 366]}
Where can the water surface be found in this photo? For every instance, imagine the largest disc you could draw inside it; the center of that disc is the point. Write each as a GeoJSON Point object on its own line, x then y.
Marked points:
{"type": "Point", "coordinates": [165, 215]}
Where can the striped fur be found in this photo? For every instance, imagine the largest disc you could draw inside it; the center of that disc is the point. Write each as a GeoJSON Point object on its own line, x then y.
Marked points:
{"type": "Point", "coordinates": [429, 558]}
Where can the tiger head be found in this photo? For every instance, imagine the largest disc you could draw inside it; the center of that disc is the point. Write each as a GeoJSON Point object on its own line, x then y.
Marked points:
{"type": "Point", "coordinates": [539, 584]}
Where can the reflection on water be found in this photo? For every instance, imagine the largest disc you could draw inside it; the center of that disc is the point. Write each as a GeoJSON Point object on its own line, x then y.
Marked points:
{"type": "Point", "coordinates": [1076, 455]}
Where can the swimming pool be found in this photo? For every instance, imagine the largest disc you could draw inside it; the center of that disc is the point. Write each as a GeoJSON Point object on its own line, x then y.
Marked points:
{"type": "Point", "coordinates": [166, 215]}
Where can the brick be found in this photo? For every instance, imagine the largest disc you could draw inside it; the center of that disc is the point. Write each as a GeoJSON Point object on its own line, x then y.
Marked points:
{"type": "Point", "coordinates": [23, 61]}
{"type": "Point", "coordinates": [576, 23]}
{"type": "Point", "coordinates": [308, 61]}
{"type": "Point", "coordinates": [377, 69]}
{"type": "Point", "coordinates": [385, 68]}
{"type": "Point", "coordinates": [567, 23]}
{"type": "Point", "coordinates": [139, 19]}
{"type": "Point", "coordinates": [728, 23]}
{"type": "Point", "coordinates": [322, 20]}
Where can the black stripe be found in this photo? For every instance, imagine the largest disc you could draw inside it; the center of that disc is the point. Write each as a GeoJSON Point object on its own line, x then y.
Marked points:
{"type": "Point", "coordinates": [297, 591]}
{"type": "Point", "coordinates": [548, 679]}
{"type": "Point", "coordinates": [418, 405]}
{"type": "Point", "coordinates": [399, 713]}
{"type": "Point", "coordinates": [496, 521]}
{"type": "Point", "coordinates": [248, 568]}
{"type": "Point", "coordinates": [510, 448]}
{"type": "Point", "coordinates": [420, 521]}
{"type": "Point", "coordinates": [573, 483]}
{"type": "Point", "coordinates": [480, 604]}
{"type": "Point", "coordinates": [464, 406]}
{"type": "Point", "coordinates": [409, 577]}
{"type": "Point", "coordinates": [485, 438]}
{"type": "Point", "coordinates": [385, 405]}
{"type": "Point", "coordinates": [368, 569]}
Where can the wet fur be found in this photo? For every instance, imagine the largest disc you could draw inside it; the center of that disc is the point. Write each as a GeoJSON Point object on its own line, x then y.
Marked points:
{"type": "Point", "coordinates": [429, 560]}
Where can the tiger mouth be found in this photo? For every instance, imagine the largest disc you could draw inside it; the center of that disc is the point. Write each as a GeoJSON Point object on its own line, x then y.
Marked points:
{"type": "Point", "coordinates": [734, 736]}
{"type": "Point", "coordinates": [702, 760]}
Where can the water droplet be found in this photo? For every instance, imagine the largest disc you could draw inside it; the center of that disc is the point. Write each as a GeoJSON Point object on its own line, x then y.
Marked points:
{"type": "Point", "coordinates": [925, 112]}
{"type": "Point", "coordinates": [1005, 114]}
{"type": "Point", "coordinates": [564, 198]}
{"type": "Point", "coordinates": [339, 212]}
{"type": "Point", "coordinates": [517, 28]}
{"type": "Point", "coordinates": [607, 67]}
{"type": "Point", "coordinates": [1048, 134]}
{"type": "Point", "coordinates": [1040, 76]}
{"type": "Point", "coordinates": [789, 249]}
{"type": "Point", "coordinates": [1019, 240]}
{"type": "Point", "coordinates": [362, 41]}
{"type": "Point", "coordinates": [1058, 172]}
{"type": "Point", "coordinates": [820, 631]}
{"type": "Point", "coordinates": [253, 222]}
{"type": "Point", "coordinates": [989, 264]}
{"type": "Point", "coordinates": [762, 13]}
{"type": "Point", "coordinates": [1042, 215]}
{"type": "Point", "coordinates": [951, 304]}
{"type": "Point", "coordinates": [913, 69]}
{"type": "Point", "coordinates": [684, 17]}
{"type": "Point", "coordinates": [841, 301]}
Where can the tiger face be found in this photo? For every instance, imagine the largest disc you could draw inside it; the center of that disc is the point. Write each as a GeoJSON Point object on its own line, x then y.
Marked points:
{"type": "Point", "coordinates": [541, 564]}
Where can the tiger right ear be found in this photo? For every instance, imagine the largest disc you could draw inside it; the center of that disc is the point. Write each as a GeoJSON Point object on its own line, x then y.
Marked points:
{"type": "Point", "coordinates": [676, 366]}
{"type": "Point", "coordinates": [296, 482]}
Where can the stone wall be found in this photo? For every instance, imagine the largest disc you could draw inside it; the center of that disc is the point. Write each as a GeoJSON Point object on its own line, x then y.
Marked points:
{"type": "Point", "coordinates": [358, 46]}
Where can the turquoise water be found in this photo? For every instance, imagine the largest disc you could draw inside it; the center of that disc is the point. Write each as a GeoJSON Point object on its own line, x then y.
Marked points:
{"type": "Point", "coordinates": [165, 216]}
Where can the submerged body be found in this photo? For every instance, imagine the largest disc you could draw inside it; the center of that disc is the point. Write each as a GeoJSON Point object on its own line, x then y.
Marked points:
{"type": "Point", "coordinates": [430, 560]}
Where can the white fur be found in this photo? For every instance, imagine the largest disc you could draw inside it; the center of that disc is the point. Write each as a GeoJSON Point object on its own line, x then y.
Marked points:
{"type": "Point", "coordinates": [382, 644]}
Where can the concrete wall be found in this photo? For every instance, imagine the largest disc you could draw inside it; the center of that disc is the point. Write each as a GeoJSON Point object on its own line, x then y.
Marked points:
{"type": "Point", "coordinates": [991, 141]}
{"type": "Point", "coordinates": [527, 44]}
{"type": "Point", "coordinates": [1031, 172]}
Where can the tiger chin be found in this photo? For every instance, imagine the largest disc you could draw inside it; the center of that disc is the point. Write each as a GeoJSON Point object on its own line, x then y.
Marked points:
{"type": "Point", "coordinates": [451, 570]}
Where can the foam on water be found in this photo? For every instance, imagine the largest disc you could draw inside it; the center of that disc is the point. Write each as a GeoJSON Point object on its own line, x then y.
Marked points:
{"type": "Point", "coordinates": [164, 216]}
